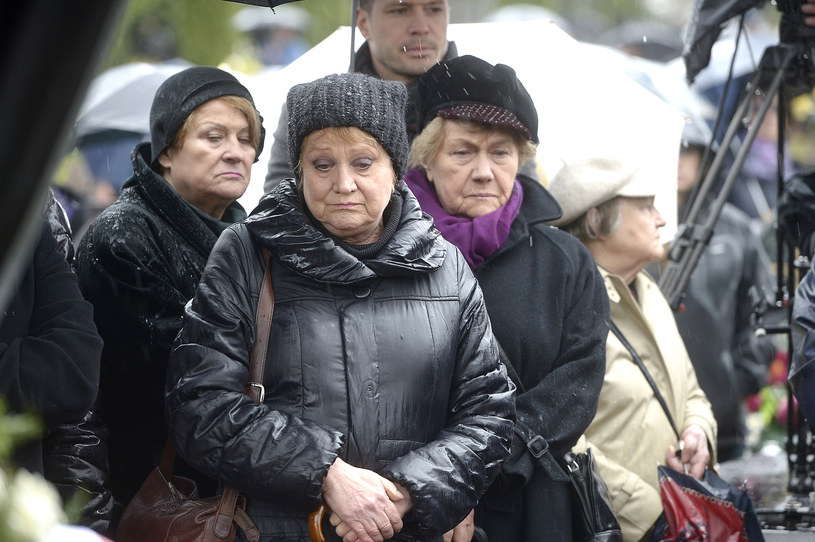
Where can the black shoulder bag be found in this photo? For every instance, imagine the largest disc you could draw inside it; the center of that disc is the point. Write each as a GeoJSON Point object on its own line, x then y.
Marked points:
{"type": "Point", "coordinates": [596, 521]}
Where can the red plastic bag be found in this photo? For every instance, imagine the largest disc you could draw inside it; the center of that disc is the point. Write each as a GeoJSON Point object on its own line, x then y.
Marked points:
{"type": "Point", "coordinates": [704, 510]}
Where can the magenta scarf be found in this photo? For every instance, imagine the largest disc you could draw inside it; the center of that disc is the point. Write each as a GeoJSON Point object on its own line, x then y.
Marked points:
{"type": "Point", "coordinates": [476, 238]}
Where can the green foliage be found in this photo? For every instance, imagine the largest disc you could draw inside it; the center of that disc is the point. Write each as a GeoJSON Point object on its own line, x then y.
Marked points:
{"type": "Point", "coordinates": [16, 429]}
{"type": "Point", "coordinates": [198, 31]}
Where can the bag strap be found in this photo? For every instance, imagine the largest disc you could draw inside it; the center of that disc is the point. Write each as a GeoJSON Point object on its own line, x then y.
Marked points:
{"type": "Point", "coordinates": [263, 326]}
{"type": "Point", "coordinates": [254, 388]}
{"type": "Point", "coordinates": [645, 372]}
{"type": "Point", "coordinates": [227, 511]}
{"type": "Point", "coordinates": [535, 443]}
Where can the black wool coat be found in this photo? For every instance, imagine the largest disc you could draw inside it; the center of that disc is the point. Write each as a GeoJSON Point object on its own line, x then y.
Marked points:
{"type": "Point", "coordinates": [138, 264]}
{"type": "Point", "coordinates": [549, 311]}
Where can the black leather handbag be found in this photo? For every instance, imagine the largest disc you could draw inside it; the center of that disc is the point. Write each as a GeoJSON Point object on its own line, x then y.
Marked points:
{"type": "Point", "coordinates": [590, 496]}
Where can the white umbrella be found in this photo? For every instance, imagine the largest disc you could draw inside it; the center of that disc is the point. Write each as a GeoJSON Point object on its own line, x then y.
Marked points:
{"type": "Point", "coordinates": [120, 98]}
{"type": "Point", "coordinates": [585, 106]}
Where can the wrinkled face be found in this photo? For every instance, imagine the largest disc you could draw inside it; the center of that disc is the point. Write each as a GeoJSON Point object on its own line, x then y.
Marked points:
{"type": "Point", "coordinates": [406, 37]}
{"type": "Point", "coordinates": [347, 185]}
{"type": "Point", "coordinates": [635, 242]}
{"type": "Point", "coordinates": [474, 169]}
{"type": "Point", "coordinates": [212, 165]}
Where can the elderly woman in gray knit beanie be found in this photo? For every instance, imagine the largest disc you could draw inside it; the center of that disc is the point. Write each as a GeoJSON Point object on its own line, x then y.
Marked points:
{"type": "Point", "coordinates": [385, 401]}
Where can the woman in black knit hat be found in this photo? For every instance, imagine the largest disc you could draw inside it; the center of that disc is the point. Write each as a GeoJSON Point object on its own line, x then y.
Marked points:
{"type": "Point", "coordinates": [140, 260]}
{"type": "Point", "coordinates": [545, 298]}
{"type": "Point", "coordinates": [385, 397]}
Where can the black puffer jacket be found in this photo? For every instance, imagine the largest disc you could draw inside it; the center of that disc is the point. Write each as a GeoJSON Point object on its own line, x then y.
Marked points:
{"type": "Point", "coordinates": [389, 363]}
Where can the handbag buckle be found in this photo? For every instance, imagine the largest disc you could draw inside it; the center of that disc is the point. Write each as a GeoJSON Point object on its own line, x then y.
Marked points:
{"type": "Point", "coordinates": [537, 446]}
{"type": "Point", "coordinates": [260, 387]}
{"type": "Point", "coordinates": [570, 461]}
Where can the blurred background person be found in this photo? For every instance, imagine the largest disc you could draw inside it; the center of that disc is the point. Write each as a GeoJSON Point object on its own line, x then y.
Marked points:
{"type": "Point", "coordinates": [755, 190]}
{"type": "Point", "coordinates": [274, 38]}
{"type": "Point", "coordinates": [716, 321]}
{"type": "Point", "coordinates": [609, 205]}
{"type": "Point", "coordinates": [140, 260]}
{"type": "Point", "coordinates": [545, 297]}
{"type": "Point", "coordinates": [383, 382]}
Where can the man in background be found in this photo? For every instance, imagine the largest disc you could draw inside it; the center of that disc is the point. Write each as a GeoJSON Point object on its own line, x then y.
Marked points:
{"type": "Point", "coordinates": [403, 38]}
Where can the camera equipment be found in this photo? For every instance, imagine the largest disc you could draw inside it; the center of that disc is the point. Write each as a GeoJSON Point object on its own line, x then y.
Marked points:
{"type": "Point", "coordinates": [785, 71]}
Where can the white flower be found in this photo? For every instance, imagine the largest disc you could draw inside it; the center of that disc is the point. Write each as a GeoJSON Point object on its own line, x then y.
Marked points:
{"type": "Point", "coordinates": [34, 507]}
{"type": "Point", "coordinates": [3, 489]}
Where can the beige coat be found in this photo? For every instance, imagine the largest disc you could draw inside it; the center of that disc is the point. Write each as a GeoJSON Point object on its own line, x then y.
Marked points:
{"type": "Point", "coordinates": [630, 433]}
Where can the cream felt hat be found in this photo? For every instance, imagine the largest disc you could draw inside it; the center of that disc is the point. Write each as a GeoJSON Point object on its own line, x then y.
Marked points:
{"type": "Point", "coordinates": [580, 185]}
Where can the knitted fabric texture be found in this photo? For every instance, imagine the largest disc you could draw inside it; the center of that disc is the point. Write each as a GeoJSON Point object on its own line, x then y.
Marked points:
{"type": "Point", "coordinates": [373, 105]}
{"type": "Point", "coordinates": [181, 94]}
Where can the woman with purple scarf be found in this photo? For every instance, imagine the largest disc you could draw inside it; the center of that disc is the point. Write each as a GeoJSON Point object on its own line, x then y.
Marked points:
{"type": "Point", "coordinates": [546, 300]}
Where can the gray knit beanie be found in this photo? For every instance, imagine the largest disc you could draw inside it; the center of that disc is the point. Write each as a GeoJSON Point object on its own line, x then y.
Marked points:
{"type": "Point", "coordinates": [181, 94]}
{"type": "Point", "coordinates": [350, 99]}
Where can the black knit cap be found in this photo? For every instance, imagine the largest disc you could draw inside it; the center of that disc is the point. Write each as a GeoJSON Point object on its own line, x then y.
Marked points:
{"type": "Point", "coordinates": [181, 94]}
{"type": "Point", "coordinates": [371, 104]}
{"type": "Point", "coordinates": [467, 87]}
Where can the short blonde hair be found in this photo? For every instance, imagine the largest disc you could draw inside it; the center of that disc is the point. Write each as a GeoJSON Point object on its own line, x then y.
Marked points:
{"type": "Point", "coordinates": [344, 134]}
{"type": "Point", "coordinates": [426, 144]}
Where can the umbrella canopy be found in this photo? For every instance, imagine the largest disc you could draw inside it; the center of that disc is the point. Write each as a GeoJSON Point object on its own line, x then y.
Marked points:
{"type": "Point", "coordinates": [585, 106]}
{"type": "Point", "coordinates": [264, 3]}
{"type": "Point", "coordinates": [707, 21]}
{"type": "Point", "coordinates": [120, 98]}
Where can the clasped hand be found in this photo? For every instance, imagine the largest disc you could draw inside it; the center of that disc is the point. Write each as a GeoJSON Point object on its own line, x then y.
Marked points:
{"type": "Point", "coordinates": [365, 507]}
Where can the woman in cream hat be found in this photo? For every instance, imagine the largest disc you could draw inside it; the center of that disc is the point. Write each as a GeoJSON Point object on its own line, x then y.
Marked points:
{"type": "Point", "coordinates": [609, 205]}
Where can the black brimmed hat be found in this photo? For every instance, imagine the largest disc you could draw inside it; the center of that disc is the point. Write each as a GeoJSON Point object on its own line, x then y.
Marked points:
{"type": "Point", "coordinates": [470, 88]}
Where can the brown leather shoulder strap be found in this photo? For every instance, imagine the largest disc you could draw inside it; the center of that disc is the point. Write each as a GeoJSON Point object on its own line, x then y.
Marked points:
{"type": "Point", "coordinates": [263, 326]}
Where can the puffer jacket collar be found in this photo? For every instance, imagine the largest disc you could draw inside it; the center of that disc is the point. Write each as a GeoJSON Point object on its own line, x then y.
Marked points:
{"type": "Point", "coordinates": [279, 224]}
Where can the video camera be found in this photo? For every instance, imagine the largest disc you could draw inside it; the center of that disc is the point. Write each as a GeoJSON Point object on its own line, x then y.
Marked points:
{"type": "Point", "coordinates": [792, 28]}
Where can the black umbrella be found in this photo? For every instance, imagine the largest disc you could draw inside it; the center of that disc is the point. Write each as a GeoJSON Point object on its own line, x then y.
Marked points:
{"type": "Point", "coordinates": [705, 25]}
{"type": "Point", "coordinates": [273, 3]}
{"type": "Point", "coordinates": [41, 86]}
{"type": "Point", "coordinates": [264, 3]}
